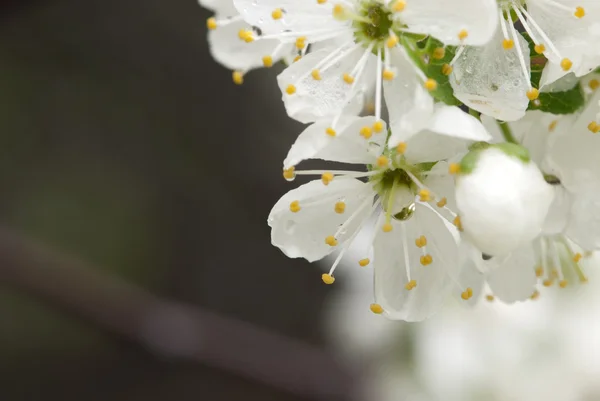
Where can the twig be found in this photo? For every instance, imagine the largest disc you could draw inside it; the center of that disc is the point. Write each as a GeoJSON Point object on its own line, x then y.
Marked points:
{"type": "Point", "coordinates": [170, 328]}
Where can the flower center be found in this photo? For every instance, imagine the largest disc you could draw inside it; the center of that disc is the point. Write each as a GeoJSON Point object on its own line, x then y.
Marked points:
{"type": "Point", "coordinates": [373, 23]}
{"type": "Point", "coordinates": [397, 192]}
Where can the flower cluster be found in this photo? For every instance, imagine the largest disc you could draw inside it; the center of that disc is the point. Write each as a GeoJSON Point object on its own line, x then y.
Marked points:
{"type": "Point", "coordinates": [477, 178]}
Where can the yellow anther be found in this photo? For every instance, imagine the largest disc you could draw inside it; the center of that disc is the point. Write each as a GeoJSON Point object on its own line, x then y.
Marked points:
{"type": "Point", "coordinates": [238, 77]}
{"type": "Point", "coordinates": [297, 58]}
{"type": "Point", "coordinates": [330, 131]}
{"type": "Point", "coordinates": [425, 195]}
{"type": "Point", "coordinates": [364, 262]}
{"type": "Point", "coordinates": [566, 64]}
{"type": "Point", "coordinates": [489, 298]}
{"type": "Point", "coordinates": [383, 161]}
{"type": "Point", "coordinates": [340, 207]}
{"type": "Point", "coordinates": [594, 84]}
{"type": "Point", "coordinates": [462, 35]}
{"type": "Point", "coordinates": [349, 79]}
{"type": "Point", "coordinates": [539, 271]}
{"type": "Point", "coordinates": [594, 127]}
{"type": "Point", "coordinates": [447, 69]}
{"type": "Point", "coordinates": [376, 309]}
{"type": "Point", "coordinates": [277, 13]}
{"type": "Point", "coordinates": [421, 241]}
{"type": "Point", "coordinates": [439, 53]}
{"type": "Point", "coordinates": [458, 223]}
{"type": "Point", "coordinates": [410, 285]}
{"type": "Point", "coordinates": [388, 75]}
{"type": "Point", "coordinates": [295, 206]}
{"type": "Point", "coordinates": [211, 23]}
{"type": "Point", "coordinates": [426, 260]}
{"type": "Point", "coordinates": [443, 202]}
{"type": "Point", "coordinates": [548, 282]}
{"type": "Point", "coordinates": [290, 90]}
{"type": "Point", "coordinates": [387, 227]}
{"type": "Point", "coordinates": [577, 257]}
{"type": "Point", "coordinates": [454, 168]}
{"type": "Point", "coordinates": [552, 125]}
{"type": "Point", "coordinates": [289, 174]}
{"type": "Point", "coordinates": [539, 48]}
{"type": "Point", "coordinates": [370, 107]}
{"type": "Point", "coordinates": [267, 61]}
{"type": "Point", "coordinates": [327, 178]}
{"type": "Point", "coordinates": [467, 294]}
{"type": "Point", "coordinates": [378, 127]}
{"type": "Point", "coordinates": [321, 1]}
{"type": "Point", "coordinates": [328, 279]}
{"type": "Point", "coordinates": [508, 44]}
{"type": "Point", "coordinates": [316, 74]}
{"type": "Point", "coordinates": [392, 41]}
{"type": "Point", "coordinates": [579, 12]}
{"type": "Point", "coordinates": [431, 84]}
{"type": "Point", "coordinates": [301, 42]}
{"type": "Point", "coordinates": [562, 283]}
{"type": "Point", "coordinates": [339, 11]}
{"type": "Point", "coordinates": [533, 94]}
{"type": "Point", "coordinates": [331, 241]}
{"type": "Point", "coordinates": [535, 295]}
{"type": "Point", "coordinates": [366, 132]}
{"type": "Point", "coordinates": [398, 6]}
{"type": "Point", "coordinates": [246, 36]}
{"type": "Point", "coordinates": [401, 148]}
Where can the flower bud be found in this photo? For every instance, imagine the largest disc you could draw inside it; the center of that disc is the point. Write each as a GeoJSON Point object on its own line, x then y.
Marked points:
{"type": "Point", "coordinates": [502, 198]}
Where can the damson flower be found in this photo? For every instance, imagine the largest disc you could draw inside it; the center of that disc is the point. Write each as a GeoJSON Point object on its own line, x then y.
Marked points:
{"type": "Point", "coordinates": [402, 191]}
{"type": "Point", "coordinates": [231, 44]}
{"type": "Point", "coordinates": [495, 79]}
{"type": "Point", "coordinates": [362, 44]}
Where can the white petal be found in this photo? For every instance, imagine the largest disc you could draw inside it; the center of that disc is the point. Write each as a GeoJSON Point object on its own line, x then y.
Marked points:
{"type": "Point", "coordinates": [302, 17]}
{"type": "Point", "coordinates": [490, 79]}
{"type": "Point", "coordinates": [235, 54]}
{"type": "Point", "coordinates": [445, 20]}
{"type": "Point", "coordinates": [574, 153]}
{"type": "Point", "coordinates": [409, 104]}
{"type": "Point", "coordinates": [559, 212]}
{"type": "Point", "coordinates": [442, 184]}
{"type": "Point", "coordinates": [302, 234]}
{"type": "Point", "coordinates": [470, 277]}
{"type": "Point", "coordinates": [347, 146]}
{"type": "Point", "coordinates": [428, 146]}
{"type": "Point", "coordinates": [223, 8]}
{"type": "Point", "coordinates": [515, 279]}
{"type": "Point", "coordinates": [453, 122]}
{"type": "Point", "coordinates": [327, 97]}
{"type": "Point", "coordinates": [433, 281]}
{"type": "Point", "coordinates": [574, 38]}
{"type": "Point", "coordinates": [584, 223]}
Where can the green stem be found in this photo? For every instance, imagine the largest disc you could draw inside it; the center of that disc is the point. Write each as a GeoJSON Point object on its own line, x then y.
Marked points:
{"type": "Point", "coordinates": [506, 132]}
{"type": "Point", "coordinates": [475, 113]}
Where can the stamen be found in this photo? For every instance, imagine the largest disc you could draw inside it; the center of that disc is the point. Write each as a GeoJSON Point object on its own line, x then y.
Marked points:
{"type": "Point", "coordinates": [376, 309]}
{"type": "Point", "coordinates": [340, 207]}
{"type": "Point", "coordinates": [328, 279]}
{"type": "Point", "coordinates": [531, 93]}
{"type": "Point", "coordinates": [295, 206]}
{"type": "Point", "coordinates": [378, 93]}
{"type": "Point", "coordinates": [467, 294]}
{"type": "Point", "coordinates": [238, 77]}
{"type": "Point", "coordinates": [489, 298]}
{"type": "Point", "coordinates": [364, 262]}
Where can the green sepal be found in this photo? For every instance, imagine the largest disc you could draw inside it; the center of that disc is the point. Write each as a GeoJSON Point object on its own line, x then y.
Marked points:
{"type": "Point", "coordinates": [514, 150]}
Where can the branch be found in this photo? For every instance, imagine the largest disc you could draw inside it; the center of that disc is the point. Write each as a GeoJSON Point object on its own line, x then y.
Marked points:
{"type": "Point", "coordinates": [170, 328]}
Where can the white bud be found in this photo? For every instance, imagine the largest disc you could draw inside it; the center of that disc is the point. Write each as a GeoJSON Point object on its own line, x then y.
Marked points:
{"type": "Point", "coordinates": [502, 198]}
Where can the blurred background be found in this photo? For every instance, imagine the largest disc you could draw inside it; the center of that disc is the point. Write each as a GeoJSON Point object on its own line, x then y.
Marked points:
{"type": "Point", "coordinates": [135, 259]}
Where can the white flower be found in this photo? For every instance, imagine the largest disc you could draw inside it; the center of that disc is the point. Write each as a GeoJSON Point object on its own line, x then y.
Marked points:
{"type": "Point", "coordinates": [413, 246]}
{"type": "Point", "coordinates": [231, 44]}
{"type": "Point", "coordinates": [495, 79]}
{"type": "Point", "coordinates": [366, 45]}
{"type": "Point", "coordinates": [502, 198]}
